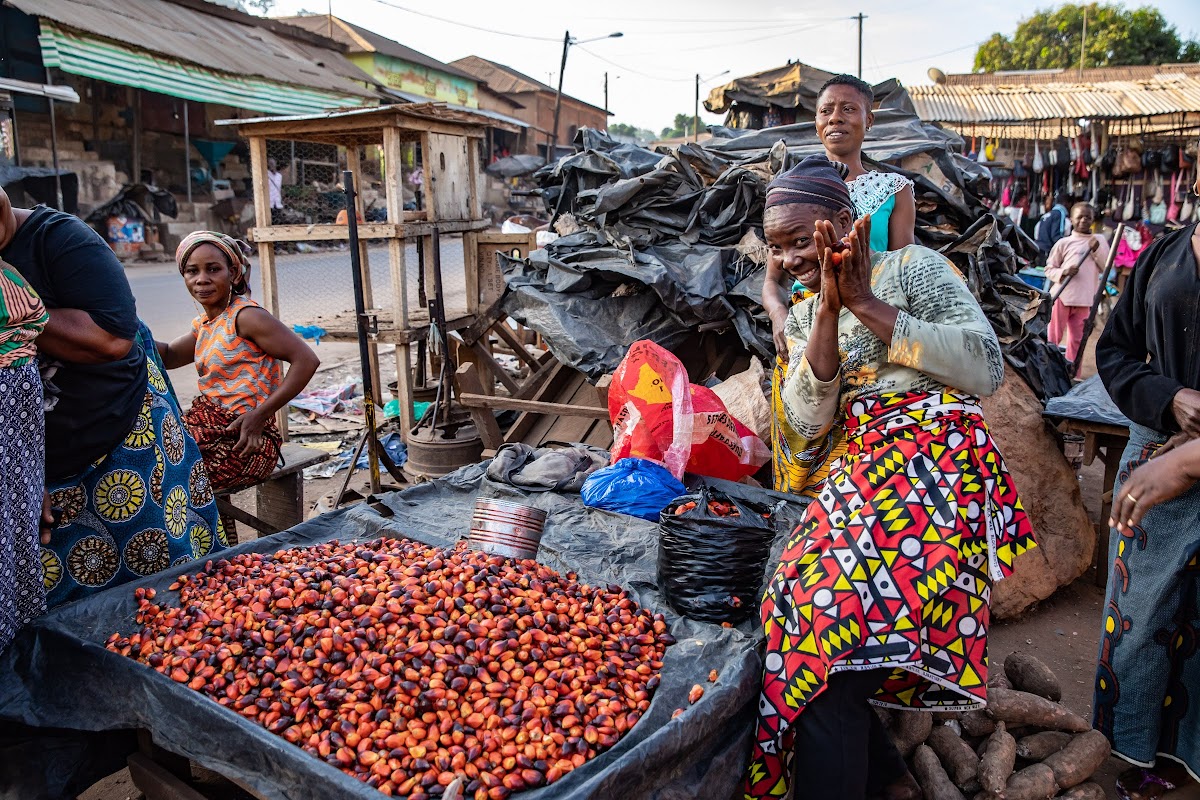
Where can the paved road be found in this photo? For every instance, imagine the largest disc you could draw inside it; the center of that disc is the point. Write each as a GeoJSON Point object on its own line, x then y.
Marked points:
{"type": "Point", "coordinates": [310, 284]}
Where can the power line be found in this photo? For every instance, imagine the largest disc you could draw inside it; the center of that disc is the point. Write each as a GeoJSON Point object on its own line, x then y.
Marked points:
{"type": "Point", "coordinates": [631, 69]}
{"type": "Point", "coordinates": [932, 55]}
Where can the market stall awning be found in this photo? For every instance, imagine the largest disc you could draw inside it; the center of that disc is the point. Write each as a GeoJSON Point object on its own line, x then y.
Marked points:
{"type": "Point", "coordinates": [63, 94]}
{"type": "Point", "coordinates": [112, 62]}
{"type": "Point", "coordinates": [1019, 102]}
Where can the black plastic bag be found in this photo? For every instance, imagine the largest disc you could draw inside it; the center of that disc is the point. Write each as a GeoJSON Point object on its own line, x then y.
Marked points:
{"type": "Point", "coordinates": [710, 566]}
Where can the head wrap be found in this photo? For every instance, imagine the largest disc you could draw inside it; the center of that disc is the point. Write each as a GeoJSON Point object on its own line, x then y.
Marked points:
{"type": "Point", "coordinates": [815, 180]}
{"type": "Point", "coordinates": [235, 250]}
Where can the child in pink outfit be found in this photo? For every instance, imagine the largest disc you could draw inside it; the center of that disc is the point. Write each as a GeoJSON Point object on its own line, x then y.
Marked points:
{"type": "Point", "coordinates": [1075, 264]}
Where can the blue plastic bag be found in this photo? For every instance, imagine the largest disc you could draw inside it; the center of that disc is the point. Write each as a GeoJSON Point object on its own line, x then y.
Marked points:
{"type": "Point", "coordinates": [632, 486]}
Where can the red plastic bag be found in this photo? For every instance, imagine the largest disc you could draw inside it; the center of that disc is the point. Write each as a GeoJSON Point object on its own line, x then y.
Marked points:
{"type": "Point", "coordinates": [658, 415]}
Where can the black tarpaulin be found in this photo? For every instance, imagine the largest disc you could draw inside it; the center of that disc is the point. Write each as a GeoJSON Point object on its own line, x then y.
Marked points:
{"type": "Point", "coordinates": [58, 673]}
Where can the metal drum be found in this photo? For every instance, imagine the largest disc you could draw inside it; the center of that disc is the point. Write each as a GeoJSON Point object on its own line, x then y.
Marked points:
{"type": "Point", "coordinates": [507, 529]}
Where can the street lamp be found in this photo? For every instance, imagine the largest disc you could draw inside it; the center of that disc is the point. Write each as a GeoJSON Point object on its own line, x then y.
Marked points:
{"type": "Point", "coordinates": [696, 110]}
{"type": "Point", "coordinates": [567, 42]}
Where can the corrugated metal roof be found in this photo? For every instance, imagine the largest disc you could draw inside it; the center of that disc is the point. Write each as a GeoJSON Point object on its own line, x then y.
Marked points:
{"type": "Point", "coordinates": [217, 40]}
{"type": "Point", "coordinates": [1034, 77]}
{"type": "Point", "coordinates": [438, 112]}
{"type": "Point", "coordinates": [507, 123]}
{"type": "Point", "coordinates": [359, 39]}
{"type": "Point", "coordinates": [1158, 95]}
{"type": "Point", "coordinates": [500, 78]}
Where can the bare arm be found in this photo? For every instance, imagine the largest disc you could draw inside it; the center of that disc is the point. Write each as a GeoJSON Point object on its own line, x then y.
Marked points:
{"type": "Point", "coordinates": [903, 220]}
{"type": "Point", "coordinates": [276, 340]}
{"type": "Point", "coordinates": [776, 306]}
{"type": "Point", "coordinates": [72, 336]}
{"type": "Point", "coordinates": [177, 353]}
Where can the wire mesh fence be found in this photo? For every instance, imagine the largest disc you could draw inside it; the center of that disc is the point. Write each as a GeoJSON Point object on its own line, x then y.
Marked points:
{"type": "Point", "coordinates": [314, 275]}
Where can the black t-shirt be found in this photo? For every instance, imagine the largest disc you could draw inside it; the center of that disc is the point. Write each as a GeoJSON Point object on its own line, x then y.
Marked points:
{"type": "Point", "coordinates": [70, 266]}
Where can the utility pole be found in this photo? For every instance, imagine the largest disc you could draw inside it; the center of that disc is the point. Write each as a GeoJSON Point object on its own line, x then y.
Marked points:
{"type": "Point", "coordinates": [860, 19]}
{"type": "Point", "coordinates": [696, 112]}
{"type": "Point", "coordinates": [1083, 44]}
{"type": "Point", "coordinates": [552, 139]}
{"type": "Point", "coordinates": [606, 92]}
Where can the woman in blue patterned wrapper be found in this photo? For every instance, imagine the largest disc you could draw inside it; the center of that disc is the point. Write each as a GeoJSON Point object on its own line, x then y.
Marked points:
{"type": "Point", "coordinates": [1147, 690]}
{"type": "Point", "coordinates": [126, 478]}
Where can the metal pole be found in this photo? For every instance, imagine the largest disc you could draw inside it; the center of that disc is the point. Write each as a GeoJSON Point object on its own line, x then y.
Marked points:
{"type": "Point", "coordinates": [1090, 324]}
{"type": "Point", "coordinates": [58, 193]}
{"type": "Point", "coordinates": [558, 99]}
{"type": "Point", "coordinates": [696, 112]}
{"type": "Point", "coordinates": [606, 97]}
{"type": "Point", "coordinates": [187, 151]}
{"type": "Point", "coordinates": [860, 19]}
{"type": "Point", "coordinates": [360, 314]}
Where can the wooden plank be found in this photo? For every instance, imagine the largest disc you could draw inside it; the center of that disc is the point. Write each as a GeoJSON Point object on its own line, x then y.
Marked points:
{"type": "Point", "coordinates": [575, 428]}
{"type": "Point", "coordinates": [494, 366]}
{"type": "Point", "coordinates": [467, 381]}
{"type": "Point", "coordinates": [542, 423]}
{"type": "Point", "coordinates": [529, 386]}
{"type": "Point", "coordinates": [479, 400]}
{"type": "Point", "coordinates": [156, 782]}
{"type": "Point", "coordinates": [266, 251]}
{"type": "Point", "coordinates": [474, 206]}
{"type": "Point", "coordinates": [393, 184]}
{"type": "Point", "coordinates": [228, 509]}
{"type": "Point", "coordinates": [484, 321]}
{"type": "Point", "coordinates": [471, 271]}
{"type": "Point", "coordinates": [280, 501]}
{"type": "Point", "coordinates": [427, 186]}
{"type": "Point", "coordinates": [367, 230]}
{"type": "Point", "coordinates": [330, 233]}
{"type": "Point", "coordinates": [367, 127]}
{"type": "Point", "coordinates": [553, 383]}
{"type": "Point", "coordinates": [354, 166]}
{"type": "Point", "coordinates": [297, 457]}
{"type": "Point", "coordinates": [447, 175]}
{"type": "Point", "coordinates": [504, 332]}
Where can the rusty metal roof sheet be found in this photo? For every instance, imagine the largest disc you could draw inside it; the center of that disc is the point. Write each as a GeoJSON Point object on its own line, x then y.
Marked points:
{"type": "Point", "coordinates": [1166, 93]}
{"type": "Point", "coordinates": [211, 36]}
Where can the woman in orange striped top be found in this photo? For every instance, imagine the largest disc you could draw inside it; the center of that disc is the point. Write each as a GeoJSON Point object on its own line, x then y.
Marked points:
{"type": "Point", "coordinates": [237, 347]}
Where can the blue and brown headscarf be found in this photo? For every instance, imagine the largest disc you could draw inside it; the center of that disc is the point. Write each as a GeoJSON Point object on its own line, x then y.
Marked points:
{"type": "Point", "coordinates": [235, 250]}
{"type": "Point", "coordinates": [815, 180]}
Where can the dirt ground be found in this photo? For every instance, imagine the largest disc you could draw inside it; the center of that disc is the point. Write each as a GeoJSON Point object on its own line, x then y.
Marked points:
{"type": "Point", "coordinates": [1062, 631]}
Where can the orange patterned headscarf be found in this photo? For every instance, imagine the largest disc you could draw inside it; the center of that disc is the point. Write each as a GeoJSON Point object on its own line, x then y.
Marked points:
{"type": "Point", "coordinates": [237, 251]}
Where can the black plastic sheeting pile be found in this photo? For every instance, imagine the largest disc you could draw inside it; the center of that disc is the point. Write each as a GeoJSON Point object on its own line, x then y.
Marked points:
{"type": "Point", "coordinates": [58, 673]}
{"type": "Point", "coordinates": [679, 226]}
{"type": "Point", "coordinates": [1088, 401]}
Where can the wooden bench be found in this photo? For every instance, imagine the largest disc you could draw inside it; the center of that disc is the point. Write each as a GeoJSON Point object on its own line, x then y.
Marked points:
{"type": "Point", "coordinates": [280, 498]}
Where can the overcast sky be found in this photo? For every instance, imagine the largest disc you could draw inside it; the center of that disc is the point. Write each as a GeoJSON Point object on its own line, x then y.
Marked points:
{"type": "Point", "coordinates": [652, 68]}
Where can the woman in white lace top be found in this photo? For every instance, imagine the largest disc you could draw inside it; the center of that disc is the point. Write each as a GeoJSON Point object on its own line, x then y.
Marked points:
{"type": "Point", "coordinates": [843, 118]}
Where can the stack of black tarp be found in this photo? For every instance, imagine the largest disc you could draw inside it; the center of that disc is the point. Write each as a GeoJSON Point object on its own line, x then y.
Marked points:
{"type": "Point", "coordinates": [667, 244]}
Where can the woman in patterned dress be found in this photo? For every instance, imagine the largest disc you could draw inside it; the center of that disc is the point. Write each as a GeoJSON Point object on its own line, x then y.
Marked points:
{"type": "Point", "coordinates": [238, 348]}
{"type": "Point", "coordinates": [843, 119]}
{"type": "Point", "coordinates": [22, 454]}
{"type": "Point", "coordinates": [125, 477]}
{"type": "Point", "coordinates": [881, 595]}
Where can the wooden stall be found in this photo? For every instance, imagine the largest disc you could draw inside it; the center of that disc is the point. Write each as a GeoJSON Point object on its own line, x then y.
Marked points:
{"type": "Point", "coordinates": [447, 143]}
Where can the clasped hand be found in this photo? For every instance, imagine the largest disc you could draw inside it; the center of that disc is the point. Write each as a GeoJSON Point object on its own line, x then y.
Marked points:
{"type": "Point", "coordinates": [845, 278]}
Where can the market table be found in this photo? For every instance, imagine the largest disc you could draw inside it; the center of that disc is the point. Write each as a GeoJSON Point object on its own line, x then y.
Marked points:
{"type": "Point", "coordinates": [59, 673]}
{"type": "Point", "coordinates": [1088, 411]}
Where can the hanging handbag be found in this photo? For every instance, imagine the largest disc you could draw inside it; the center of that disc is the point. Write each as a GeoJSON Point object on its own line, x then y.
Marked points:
{"type": "Point", "coordinates": [1169, 159]}
{"type": "Point", "coordinates": [1130, 209]}
{"type": "Point", "coordinates": [1038, 164]}
{"type": "Point", "coordinates": [1129, 162]}
{"type": "Point", "coordinates": [1173, 205]}
{"type": "Point", "coordinates": [1151, 159]}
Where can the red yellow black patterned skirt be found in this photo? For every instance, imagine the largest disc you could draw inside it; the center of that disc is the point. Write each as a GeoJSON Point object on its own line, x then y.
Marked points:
{"type": "Point", "coordinates": [227, 469]}
{"type": "Point", "coordinates": [891, 569]}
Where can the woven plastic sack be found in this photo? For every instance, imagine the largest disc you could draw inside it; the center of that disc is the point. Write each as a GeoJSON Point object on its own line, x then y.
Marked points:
{"type": "Point", "coordinates": [658, 415]}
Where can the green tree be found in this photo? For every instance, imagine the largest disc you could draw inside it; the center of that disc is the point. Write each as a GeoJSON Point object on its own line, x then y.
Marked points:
{"type": "Point", "coordinates": [625, 129]}
{"type": "Point", "coordinates": [683, 127]}
{"type": "Point", "coordinates": [1116, 36]}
